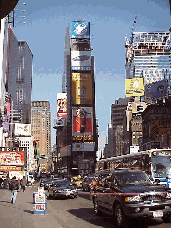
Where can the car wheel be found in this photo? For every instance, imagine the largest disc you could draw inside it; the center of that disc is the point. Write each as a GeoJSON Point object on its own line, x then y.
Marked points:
{"type": "Point", "coordinates": [167, 218]}
{"type": "Point", "coordinates": [119, 216]}
{"type": "Point", "coordinates": [76, 196]}
{"type": "Point", "coordinates": [96, 208]}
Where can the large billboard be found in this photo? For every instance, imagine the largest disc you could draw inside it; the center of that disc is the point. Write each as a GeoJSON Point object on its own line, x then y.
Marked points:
{"type": "Point", "coordinates": [80, 29]}
{"type": "Point", "coordinates": [134, 87]}
{"type": "Point", "coordinates": [81, 60]}
{"type": "Point", "coordinates": [62, 105]}
{"type": "Point", "coordinates": [12, 158]}
{"type": "Point", "coordinates": [82, 89]}
{"type": "Point", "coordinates": [82, 121]}
{"type": "Point", "coordinates": [22, 129]}
{"type": "Point", "coordinates": [156, 89]}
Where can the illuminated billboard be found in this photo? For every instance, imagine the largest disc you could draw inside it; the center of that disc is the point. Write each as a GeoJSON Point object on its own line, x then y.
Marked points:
{"type": "Point", "coordinates": [156, 89]}
{"type": "Point", "coordinates": [81, 60]}
{"type": "Point", "coordinates": [80, 29]}
{"type": "Point", "coordinates": [134, 87]}
{"type": "Point", "coordinates": [82, 121]}
{"type": "Point", "coordinates": [22, 129]}
{"type": "Point", "coordinates": [62, 105]}
{"type": "Point", "coordinates": [12, 158]}
{"type": "Point", "coordinates": [82, 89]}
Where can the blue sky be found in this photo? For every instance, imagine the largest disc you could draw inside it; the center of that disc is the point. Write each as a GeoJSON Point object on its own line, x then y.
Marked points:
{"type": "Point", "coordinates": [110, 23]}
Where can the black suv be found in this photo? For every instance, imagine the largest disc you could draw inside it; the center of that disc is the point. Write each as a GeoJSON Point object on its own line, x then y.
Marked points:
{"type": "Point", "coordinates": [125, 194]}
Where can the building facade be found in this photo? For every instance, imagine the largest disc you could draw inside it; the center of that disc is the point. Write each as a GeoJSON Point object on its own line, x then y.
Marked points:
{"type": "Point", "coordinates": [41, 125]}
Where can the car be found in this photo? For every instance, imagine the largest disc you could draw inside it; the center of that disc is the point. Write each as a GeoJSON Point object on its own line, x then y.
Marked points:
{"type": "Point", "coordinates": [128, 194]}
{"type": "Point", "coordinates": [86, 184]}
{"type": "Point", "coordinates": [46, 183]}
{"type": "Point", "coordinates": [62, 189]}
{"type": "Point", "coordinates": [77, 181]}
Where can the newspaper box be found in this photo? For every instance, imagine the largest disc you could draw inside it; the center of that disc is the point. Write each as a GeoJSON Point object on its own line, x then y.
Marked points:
{"type": "Point", "coordinates": [40, 201]}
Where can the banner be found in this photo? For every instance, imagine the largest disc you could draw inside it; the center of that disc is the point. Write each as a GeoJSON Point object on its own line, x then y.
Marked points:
{"type": "Point", "coordinates": [80, 29]}
{"type": "Point", "coordinates": [82, 121]}
{"type": "Point", "coordinates": [134, 87]}
{"type": "Point", "coordinates": [62, 105]}
{"type": "Point", "coordinates": [82, 88]}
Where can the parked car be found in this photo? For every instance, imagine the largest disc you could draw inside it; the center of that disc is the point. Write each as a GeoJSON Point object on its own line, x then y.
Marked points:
{"type": "Point", "coordinates": [46, 183]}
{"type": "Point", "coordinates": [127, 194]}
{"type": "Point", "coordinates": [86, 184]}
{"type": "Point", "coordinates": [62, 189]}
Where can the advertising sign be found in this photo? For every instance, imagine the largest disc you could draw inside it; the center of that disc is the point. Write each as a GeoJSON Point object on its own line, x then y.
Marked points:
{"type": "Point", "coordinates": [82, 88]}
{"type": "Point", "coordinates": [134, 87]}
{"type": "Point", "coordinates": [60, 121]}
{"type": "Point", "coordinates": [82, 121]}
{"type": "Point", "coordinates": [86, 146]}
{"type": "Point", "coordinates": [80, 29]}
{"type": "Point", "coordinates": [62, 105]}
{"type": "Point", "coordinates": [12, 158]}
{"type": "Point", "coordinates": [10, 168]}
{"type": "Point", "coordinates": [22, 129]}
{"type": "Point", "coordinates": [81, 60]}
{"type": "Point", "coordinates": [156, 89]}
{"type": "Point", "coordinates": [40, 207]}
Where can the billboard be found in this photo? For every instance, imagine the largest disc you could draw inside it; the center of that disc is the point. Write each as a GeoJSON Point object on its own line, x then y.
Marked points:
{"type": "Point", "coordinates": [60, 122]}
{"type": "Point", "coordinates": [156, 89]}
{"type": "Point", "coordinates": [22, 129]}
{"type": "Point", "coordinates": [134, 87]}
{"type": "Point", "coordinates": [82, 89]}
{"type": "Point", "coordinates": [86, 146]}
{"type": "Point", "coordinates": [62, 105]}
{"type": "Point", "coordinates": [12, 158]}
{"type": "Point", "coordinates": [80, 29]}
{"type": "Point", "coordinates": [81, 60]}
{"type": "Point", "coordinates": [82, 121]}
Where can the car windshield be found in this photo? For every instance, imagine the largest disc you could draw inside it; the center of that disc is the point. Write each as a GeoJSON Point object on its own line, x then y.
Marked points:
{"type": "Point", "coordinates": [161, 166]}
{"type": "Point", "coordinates": [48, 180]}
{"type": "Point", "coordinates": [62, 183]}
{"type": "Point", "coordinates": [132, 177]}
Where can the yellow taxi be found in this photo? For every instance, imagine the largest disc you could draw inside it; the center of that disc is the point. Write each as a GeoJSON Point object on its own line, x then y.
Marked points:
{"type": "Point", "coordinates": [77, 181]}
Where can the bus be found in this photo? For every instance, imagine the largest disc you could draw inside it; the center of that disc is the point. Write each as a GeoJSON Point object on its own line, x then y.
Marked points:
{"type": "Point", "coordinates": [155, 162]}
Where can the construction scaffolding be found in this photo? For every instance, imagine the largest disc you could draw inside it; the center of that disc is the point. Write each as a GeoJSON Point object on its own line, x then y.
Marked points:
{"type": "Point", "coordinates": [148, 55]}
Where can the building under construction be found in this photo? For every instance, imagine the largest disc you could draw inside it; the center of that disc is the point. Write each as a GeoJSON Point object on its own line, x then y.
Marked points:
{"type": "Point", "coordinates": [148, 56]}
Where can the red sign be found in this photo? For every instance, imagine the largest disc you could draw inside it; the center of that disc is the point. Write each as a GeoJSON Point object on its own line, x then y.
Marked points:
{"type": "Point", "coordinates": [40, 207]}
{"type": "Point", "coordinates": [82, 121]}
{"type": "Point", "coordinates": [10, 168]}
{"type": "Point", "coordinates": [12, 158]}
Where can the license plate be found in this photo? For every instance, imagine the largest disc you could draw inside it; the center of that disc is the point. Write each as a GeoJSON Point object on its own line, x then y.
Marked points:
{"type": "Point", "coordinates": [157, 214]}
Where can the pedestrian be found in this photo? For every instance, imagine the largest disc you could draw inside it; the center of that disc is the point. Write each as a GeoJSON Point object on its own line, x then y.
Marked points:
{"type": "Point", "coordinates": [24, 183]}
{"type": "Point", "coordinates": [13, 187]}
{"type": "Point", "coordinates": [1, 180]}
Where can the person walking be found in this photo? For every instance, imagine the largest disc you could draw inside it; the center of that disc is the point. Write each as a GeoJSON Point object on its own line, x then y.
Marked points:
{"type": "Point", "coordinates": [13, 187]}
{"type": "Point", "coordinates": [24, 183]}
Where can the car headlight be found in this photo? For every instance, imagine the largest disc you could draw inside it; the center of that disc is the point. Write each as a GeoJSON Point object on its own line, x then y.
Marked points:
{"type": "Point", "coordinates": [168, 195]}
{"type": "Point", "coordinates": [132, 199]}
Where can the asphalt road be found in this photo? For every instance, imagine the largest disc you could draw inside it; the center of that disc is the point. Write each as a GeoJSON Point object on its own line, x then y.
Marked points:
{"type": "Point", "coordinates": [67, 213]}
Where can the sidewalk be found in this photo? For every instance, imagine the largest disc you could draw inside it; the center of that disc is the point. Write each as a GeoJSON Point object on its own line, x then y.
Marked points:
{"type": "Point", "coordinates": [21, 214]}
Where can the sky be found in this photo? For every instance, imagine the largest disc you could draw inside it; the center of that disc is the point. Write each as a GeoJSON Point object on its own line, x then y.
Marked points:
{"type": "Point", "coordinates": [110, 22]}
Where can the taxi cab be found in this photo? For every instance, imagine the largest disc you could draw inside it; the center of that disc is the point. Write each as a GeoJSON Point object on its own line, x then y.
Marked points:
{"type": "Point", "coordinates": [77, 181]}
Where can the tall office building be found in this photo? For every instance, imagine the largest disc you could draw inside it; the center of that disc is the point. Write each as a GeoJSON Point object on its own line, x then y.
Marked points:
{"type": "Point", "coordinates": [41, 125]}
{"type": "Point", "coordinates": [66, 53]}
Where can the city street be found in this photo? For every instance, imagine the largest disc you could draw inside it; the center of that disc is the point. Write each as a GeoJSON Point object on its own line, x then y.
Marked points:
{"type": "Point", "coordinates": [76, 212]}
